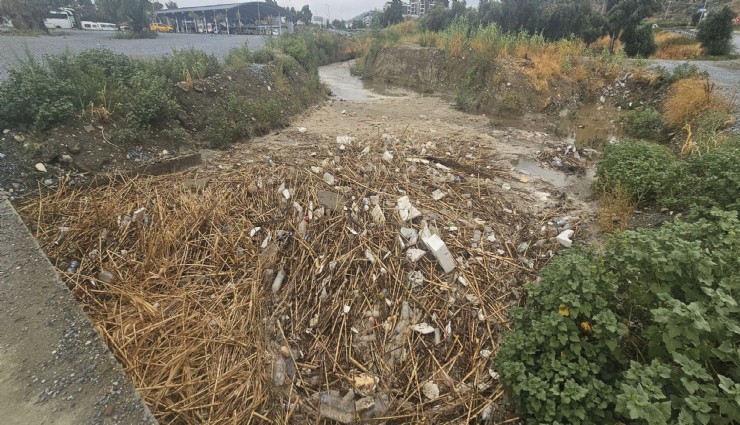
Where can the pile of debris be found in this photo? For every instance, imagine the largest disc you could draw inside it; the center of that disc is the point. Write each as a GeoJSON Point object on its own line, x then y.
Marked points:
{"type": "Point", "coordinates": [373, 283]}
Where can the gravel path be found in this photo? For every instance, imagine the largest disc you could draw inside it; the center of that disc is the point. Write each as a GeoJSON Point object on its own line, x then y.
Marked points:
{"type": "Point", "coordinates": [726, 74]}
{"type": "Point", "coordinates": [13, 47]}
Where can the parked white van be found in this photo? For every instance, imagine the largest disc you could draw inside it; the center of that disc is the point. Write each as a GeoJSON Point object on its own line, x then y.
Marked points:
{"type": "Point", "coordinates": [99, 26]}
{"type": "Point", "coordinates": [62, 18]}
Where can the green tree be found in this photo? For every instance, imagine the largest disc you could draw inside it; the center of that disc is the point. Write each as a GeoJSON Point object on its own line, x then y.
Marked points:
{"type": "Point", "coordinates": [157, 5]}
{"type": "Point", "coordinates": [137, 12]}
{"type": "Point", "coordinates": [393, 14]}
{"type": "Point", "coordinates": [337, 24]}
{"type": "Point", "coordinates": [305, 14]}
{"type": "Point", "coordinates": [358, 24]}
{"type": "Point", "coordinates": [639, 41]}
{"type": "Point", "coordinates": [715, 32]}
{"type": "Point", "coordinates": [28, 15]}
{"type": "Point", "coordinates": [626, 15]}
{"type": "Point", "coordinates": [170, 5]}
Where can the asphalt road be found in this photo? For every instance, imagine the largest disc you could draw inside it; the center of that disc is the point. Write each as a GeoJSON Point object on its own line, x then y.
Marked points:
{"type": "Point", "coordinates": [14, 47]}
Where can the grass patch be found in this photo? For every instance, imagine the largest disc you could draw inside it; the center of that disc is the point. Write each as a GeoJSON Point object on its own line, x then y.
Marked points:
{"type": "Point", "coordinates": [676, 46]}
{"type": "Point", "coordinates": [689, 98]}
{"type": "Point", "coordinates": [616, 207]}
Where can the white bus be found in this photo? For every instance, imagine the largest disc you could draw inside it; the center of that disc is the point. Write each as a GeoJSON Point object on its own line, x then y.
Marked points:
{"type": "Point", "coordinates": [99, 26]}
{"type": "Point", "coordinates": [62, 18]}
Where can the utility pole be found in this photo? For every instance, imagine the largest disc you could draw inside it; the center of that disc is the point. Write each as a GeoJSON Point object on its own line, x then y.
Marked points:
{"type": "Point", "coordinates": [704, 12]}
{"type": "Point", "coordinates": [328, 16]}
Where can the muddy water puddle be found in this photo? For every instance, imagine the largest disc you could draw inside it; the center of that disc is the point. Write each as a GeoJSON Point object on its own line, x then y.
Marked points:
{"type": "Point", "coordinates": [591, 126]}
{"type": "Point", "coordinates": [346, 86]}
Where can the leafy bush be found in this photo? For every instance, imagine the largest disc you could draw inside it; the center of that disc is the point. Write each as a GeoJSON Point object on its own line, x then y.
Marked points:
{"type": "Point", "coordinates": [638, 167]}
{"type": "Point", "coordinates": [561, 361]}
{"type": "Point", "coordinates": [715, 32]}
{"type": "Point", "coordinates": [147, 100]}
{"type": "Point", "coordinates": [263, 56]}
{"type": "Point", "coordinates": [705, 180]}
{"type": "Point", "coordinates": [639, 41]}
{"type": "Point", "coordinates": [645, 332]}
{"type": "Point", "coordinates": [184, 64]}
{"type": "Point", "coordinates": [644, 122]}
{"type": "Point", "coordinates": [238, 57]}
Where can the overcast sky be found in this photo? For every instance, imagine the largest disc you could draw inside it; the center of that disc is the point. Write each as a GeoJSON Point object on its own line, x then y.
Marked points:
{"type": "Point", "coordinates": [339, 9]}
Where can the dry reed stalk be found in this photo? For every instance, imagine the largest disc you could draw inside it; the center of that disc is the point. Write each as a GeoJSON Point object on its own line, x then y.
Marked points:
{"type": "Point", "coordinates": [195, 323]}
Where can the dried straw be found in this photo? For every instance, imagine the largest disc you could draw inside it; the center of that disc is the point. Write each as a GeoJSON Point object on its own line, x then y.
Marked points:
{"type": "Point", "coordinates": [192, 317]}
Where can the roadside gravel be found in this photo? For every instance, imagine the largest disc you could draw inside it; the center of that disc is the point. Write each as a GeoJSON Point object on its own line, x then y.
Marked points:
{"type": "Point", "coordinates": [14, 47]}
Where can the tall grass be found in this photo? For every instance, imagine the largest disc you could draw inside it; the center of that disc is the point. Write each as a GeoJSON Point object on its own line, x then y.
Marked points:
{"type": "Point", "coordinates": [676, 46]}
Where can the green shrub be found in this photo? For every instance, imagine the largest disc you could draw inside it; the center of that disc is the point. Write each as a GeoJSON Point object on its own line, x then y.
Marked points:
{"type": "Point", "coordinates": [710, 179]}
{"type": "Point", "coordinates": [231, 123]}
{"type": "Point", "coordinates": [238, 57]}
{"type": "Point", "coordinates": [644, 333]}
{"type": "Point", "coordinates": [147, 100]}
{"type": "Point", "coordinates": [639, 41]}
{"type": "Point", "coordinates": [30, 96]}
{"type": "Point", "coordinates": [182, 64]}
{"type": "Point", "coordinates": [268, 116]}
{"type": "Point", "coordinates": [263, 56]}
{"type": "Point", "coordinates": [715, 32]}
{"type": "Point", "coordinates": [561, 360]}
{"type": "Point", "coordinates": [644, 123]}
{"type": "Point", "coordinates": [682, 284]}
{"type": "Point", "coordinates": [637, 166]}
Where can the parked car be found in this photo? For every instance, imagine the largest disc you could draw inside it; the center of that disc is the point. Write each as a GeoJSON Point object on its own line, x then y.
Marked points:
{"type": "Point", "coordinates": [156, 26]}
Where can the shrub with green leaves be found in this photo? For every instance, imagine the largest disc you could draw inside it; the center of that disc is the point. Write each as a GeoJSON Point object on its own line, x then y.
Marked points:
{"type": "Point", "coordinates": [639, 167]}
{"type": "Point", "coordinates": [715, 32]}
{"type": "Point", "coordinates": [562, 359]}
{"type": "Point", "coordinates": [645, 332]}
{"type": "Point", "coordinates": [639, 41]}
{"type": "Point", "coordinates": [706, 180]}
{"type": "Point", "coordinates": [644, 122]}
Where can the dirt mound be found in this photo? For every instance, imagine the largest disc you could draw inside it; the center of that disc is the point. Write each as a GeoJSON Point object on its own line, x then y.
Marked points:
{"type": "Point", "coordinates": [498, 88]}
{"type": "Point", "coordinates": [309, 288]}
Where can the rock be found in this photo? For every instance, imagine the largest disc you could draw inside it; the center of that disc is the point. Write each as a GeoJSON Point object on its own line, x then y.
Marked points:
{"type": "Point", "coordinates": [329, 179]}
{"type": "Point", "coordinates": [19, 138]}
{"type": "Point", "coordinates": [411, 235]}
{"type": "Point", "coordinates": [423, 328]}
{"type": "Point", "coordinates": [331, 200]}
{"type": "Point", "coordinates": [184, 86]}
{"type": "Point", "coordinates": [415, 254]}
{"type": "Point", "coordinates": [278, 282]}
{"type": "Point", "coordinates": [88, 128]}
{"type": "Point", "coordinates": [74, 149]}
{"type": "Point", "coordinates": [406, 211]}
{"type": "Point", "coordinates": [387, 156]}
{"type": "Point", "coordinates": [279, 371]}
{"type": "Point", "coordinates": [48, 182]}
{"type": "Point", "coordinates": [506, 186]}
{"type": "Point", "coordinates": [105, 276]}
{"type": "Point", "coordinates": [302, 129]}
{"type": "Point", "coordinates": [65, 159]}
{"type": "Point", "coordinates": [416, 278]}
{"type": "Point", "coordinates": [440, 251]}
{"type": "Point", "coordinates": [377, 214]}
{"type": "Point", "coordinates": [438, 194]}
{"type": "Point", "coordinates": [40, 167]}
{"type": "Point", "coordinates": [365, 384]}
{"type": "Point", "coordinates": [564, 238]}
{"type": "Point", "coordinates": [344, 112]}
{"type": "Point", "coordinates": [430, 390]}
{"type": "Point", "coordinates": [345, 140]}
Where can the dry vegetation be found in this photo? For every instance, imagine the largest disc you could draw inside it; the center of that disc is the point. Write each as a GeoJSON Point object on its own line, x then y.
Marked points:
{"type": "Point", "coordinates": [690, 98]}
{"type": "Point", "coordinates": [194, 314]}
{"type": "Point", "coordinates": [676, 46]}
